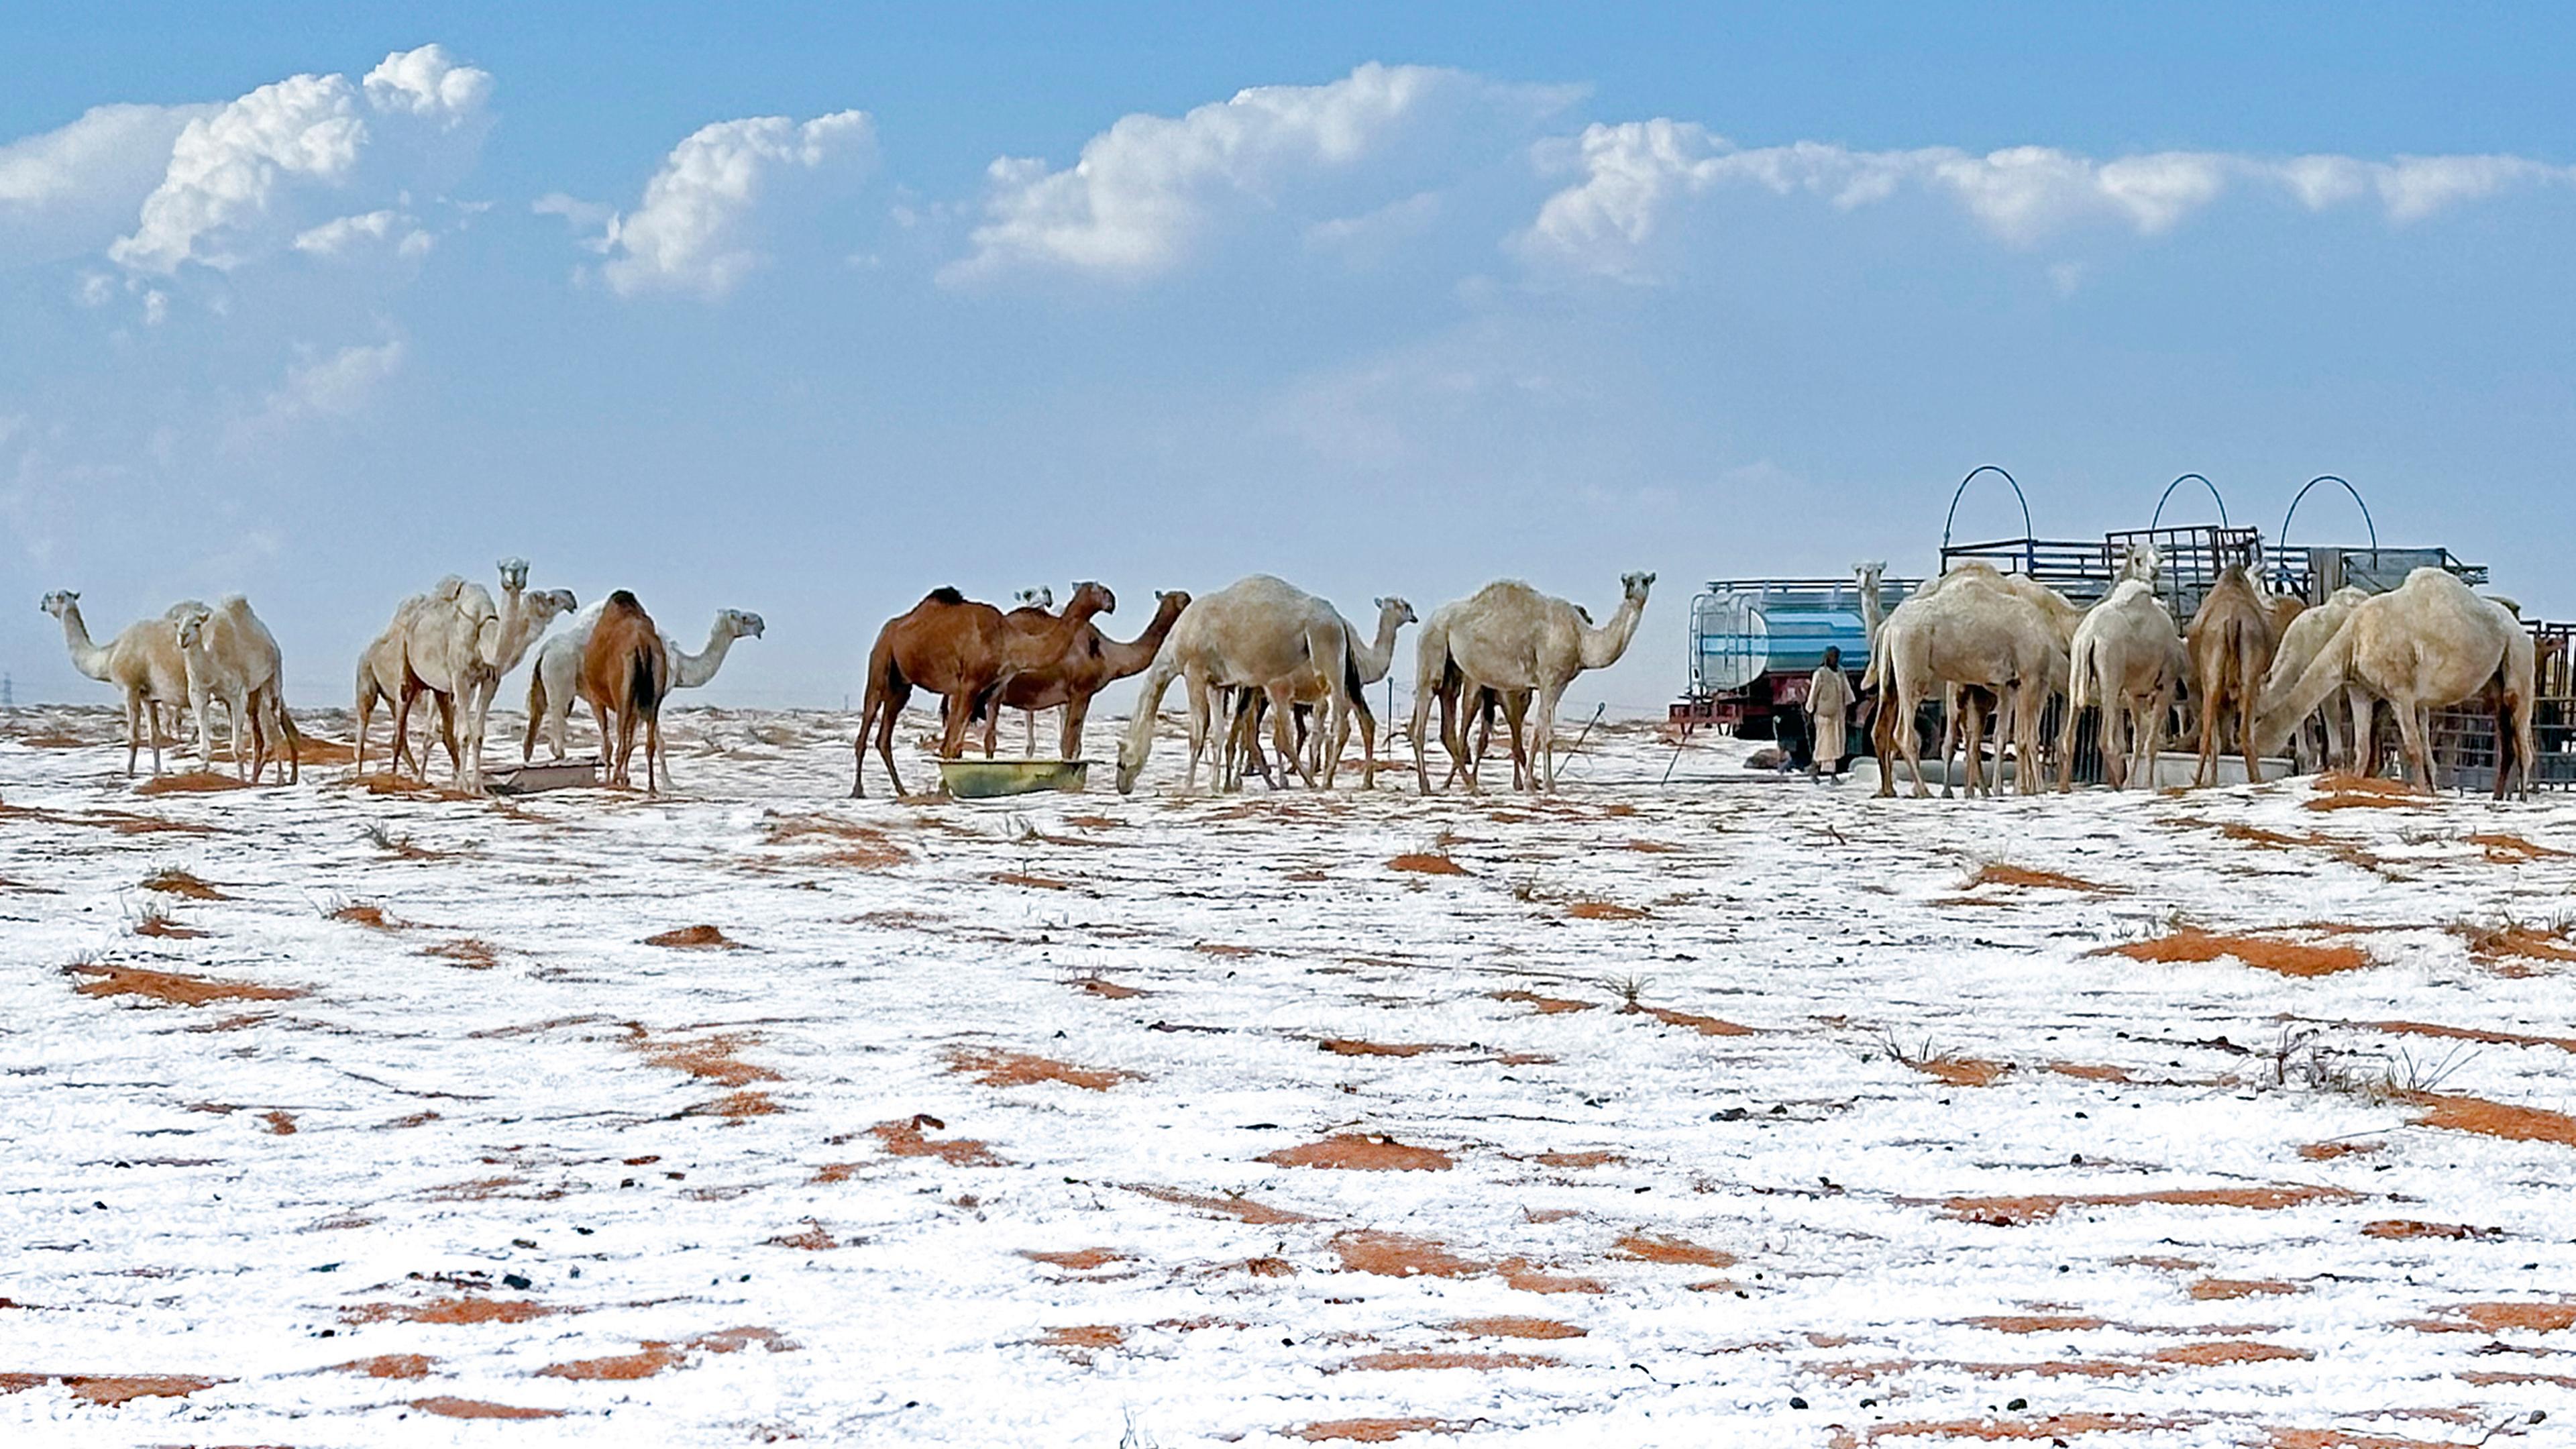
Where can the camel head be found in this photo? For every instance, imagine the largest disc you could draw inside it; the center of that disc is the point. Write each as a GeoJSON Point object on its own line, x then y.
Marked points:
{"type": "Point", "coordinates": [741, 625]}
{"type": "Point", "coordinates": [1869, 572]}
{"type": "Point", "coordinates": [545, 606]}
{"type": "Point", "coordinates": [1634, 586]}
{"type": "Point", "coordinates": [192, 625]}
{"type": "Point", "coordinates": [2141, 562]}
{"type": "Point", "coordinates": [1397, 609]}
{"type": "Point", "coordinates": [514, 575]}
{"type": "Point", "coordinates": [1168, 603]}
{"type": "Point", "coordinates": [60, 602]}
{"type": "Point", "coordinates": [1131, 763]}
{"type": "Point", "coordinates": [1091, 598]}
{"type": "Point", "coordinates": [1041, 597]}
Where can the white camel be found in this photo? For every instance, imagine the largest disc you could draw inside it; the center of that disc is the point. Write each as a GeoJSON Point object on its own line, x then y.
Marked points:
{"type": "Point", "coordinates": [143, 661]}
{"type": "Point", "coordinates": [1370, 662]}
{"type": "Point", "coordinates": [458, 645]}
{"type": "Point", "coordinates": [231, 654]}
{"type": "Point", "coordinates": [2127, 661]}
{"type": "Point", "coordinates": [382, 679]}
{"type": "Point", "coordinates": [554, 681]}
{"type": "Point", "coordinates": [1510, 637]}
{"type": "Point", "coordinates": [2301, 643]}
{"type": "Point", "coordinates": [2424, 645]}
{"type": "Point", "coordinates": [1967, 629]}
{"type": "Point", "coordinates": [1257, 633]}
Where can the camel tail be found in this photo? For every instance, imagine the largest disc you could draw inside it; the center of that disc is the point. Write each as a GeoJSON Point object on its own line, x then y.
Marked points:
{"type": "Point", "coordinates": [2080, 675]}
{"type": "Point", "coordinates": [1351, 682]}
{"type": "Point", "coordinates": [536, 707]}
{"type": "Point", "coordinates": [1870, 678]}
{"type": "Point", "coordinates": [2280, 711]}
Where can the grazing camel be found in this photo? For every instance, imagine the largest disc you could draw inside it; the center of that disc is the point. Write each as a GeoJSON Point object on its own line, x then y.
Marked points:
{"type": "Point", "coordinates": [1093, 663]}
{"type": "Point", "coordinates": [1256, 633]}
{"type": "Point", "coordinates": [2424, 645]}
{"type": "Point", "coordinates": [625, 671]}
{"type": "Point", "coordinates": [230, 653]}
{"type": "Point", "coordinates": [554, 681]}
{"type": "Point", "coordinates": [2231, 640]}
{"type": "Point", "coordinates": [963, 652]}
{"type": "Point", "coordinates": [1508, 637]}
{"type": "Point", "coordinates": [1966, 629]}
{"type": "Point", "coordinates": [2305, 638]}
{"type": "Point", "coordinates": [143, 661]}
{"type": "Point", "coordinates": [2127, 661]}
{"type": "Point", "coordinates": [1372, 660]}
{"type": "Point", "coordinates": [457, 645]}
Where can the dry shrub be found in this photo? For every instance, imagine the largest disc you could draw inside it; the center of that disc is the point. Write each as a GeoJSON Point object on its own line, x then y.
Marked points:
{"type": "Point", "coordinates": [1424, 863]}
{"type": "Point", "coordinates": [169, 987]}
{"type": "Point", "coordinates": [466, 951]}
{"type": "Point", "coordinates": [2289, 958]}
{"type": "Point", "coordinates": [1019, 1069]}
{"type": "Point", "coordinates": [1353, 1152]}
{"type": "Point", "coordinates": [192, 782]}
{"type": "Point", "coordinates": [1997, 873]}
{"type": "Point", "coordinates": [694, 938]}
{"type": "Point", "coordinates": [171, 880]}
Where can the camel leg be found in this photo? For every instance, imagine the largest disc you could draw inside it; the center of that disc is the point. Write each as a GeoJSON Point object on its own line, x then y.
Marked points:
{"type": "Point", "coordinates": [402, 731]}
{"type": "Point", "coordinates": [1909, 740]}
{"type": "Point", "coordinates": [1972, 743]}
{"type": "Point", "coordinates": [653, 752]}
{"type": "Point", "coordinates": [1198, 688]}
{"type": "Point", "coordinates": [1423, 689]}
{"type": "Point", "coordinates": [134, 732]}
{"type": "Point", "coordinates": [2410, 737]}
{"type": "Point", "coordinates": [2162, 703]}
{"type": "Point", "coordinates": [2207, 769]}
{"type": "Point", "coordinates": [897, 694]}
{"type": "Point", "coordinates": [1542, 750]}
{"type": "Point", "coordinates": [1075, 712]}
{"type": "Point", "coordinates": [1282, 706]}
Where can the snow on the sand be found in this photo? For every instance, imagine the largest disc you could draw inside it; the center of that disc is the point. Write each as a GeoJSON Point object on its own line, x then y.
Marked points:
{"type": "Point", "coordinates": [1716, 1112]}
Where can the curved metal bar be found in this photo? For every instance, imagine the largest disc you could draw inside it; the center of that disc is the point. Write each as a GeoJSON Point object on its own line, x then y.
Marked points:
{"type": "Point", "coordinates": [2348, 488]}
{"type": "Point", "coordinates": [1962, 490]}
{"type": "Point", "coordinates": [2177, 483]}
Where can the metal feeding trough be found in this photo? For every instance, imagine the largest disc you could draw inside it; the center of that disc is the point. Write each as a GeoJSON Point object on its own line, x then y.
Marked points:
{"type": "Point", "coordinates": [991, 779]}
{"type": "Point", "coordinates": [529, 778]}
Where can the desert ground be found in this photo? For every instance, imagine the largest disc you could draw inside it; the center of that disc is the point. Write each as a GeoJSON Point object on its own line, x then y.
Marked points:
{"type": "Point", "coordinates": [1715, 1111]}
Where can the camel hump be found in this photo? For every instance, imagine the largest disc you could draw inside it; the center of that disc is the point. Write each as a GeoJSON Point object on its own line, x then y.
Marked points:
{"type": "Point", "coordinates": [624, 599]}
{"type": "Point", "coordinates": [944, 594]}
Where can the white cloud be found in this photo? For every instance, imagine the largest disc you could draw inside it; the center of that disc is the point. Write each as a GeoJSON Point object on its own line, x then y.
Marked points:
{"type": "Point", "coordinates": [1147, 188]}
{"type": "Point", "coordinates": [337, 385]}
{"type": "Point", "coordinates": [69, 191]}
{"type": "Point", "coordinates": [698, 230]}
{"type": "Point", "coordinates": [347, 236]}
{"type": "Point", "coordinates": [240, 178]}
{"type": "Point", "coordinates": [1635, 176]}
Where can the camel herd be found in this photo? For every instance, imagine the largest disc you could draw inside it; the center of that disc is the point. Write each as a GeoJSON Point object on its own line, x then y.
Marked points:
{"type": "Point", "coordinates": [1989, 644]}
{"type": "Point", "coordinates": [2253, 662]}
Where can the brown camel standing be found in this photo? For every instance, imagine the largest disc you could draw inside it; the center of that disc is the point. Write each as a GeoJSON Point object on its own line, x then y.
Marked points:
{"type": "Point", "coordinates": [625, 671]}
{"type": "Point", "coordinates": [1093, 663]}
{"type": "Point", "coordinates": [2231, 640]}
{"type": "Point", "coordinates": [964, 652]}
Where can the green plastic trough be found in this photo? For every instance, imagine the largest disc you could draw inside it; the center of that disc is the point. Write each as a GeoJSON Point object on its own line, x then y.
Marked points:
{"type": "Point", "coordinates": [992, 779]}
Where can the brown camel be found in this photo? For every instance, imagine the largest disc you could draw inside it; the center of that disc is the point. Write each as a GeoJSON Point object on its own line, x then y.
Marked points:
{"type": "Point", "coordinates": [1093, 663]}
{"type": "Point", "coordinates": [964, 652]}
{"type": "Point", "coordinates": [625, 671]}
{"type": "Point", "coordinates": [2231, 640]}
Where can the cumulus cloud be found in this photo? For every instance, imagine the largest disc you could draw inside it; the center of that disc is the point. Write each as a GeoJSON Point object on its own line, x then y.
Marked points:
{"type": "Point", "coordinates": [240, 180]}
{"type": "Point", "coordinates": [335, 384]}
{"type": "Point", "coordinates": [1634, 177]}
{"type": "Point", "coordinates": [345, 236]}
{"type": "Point", "coordinates": [69, 191]}
{"type": "Point", "coordinates": [1147, 188]}
{"type": "Point", "coordinates": [699, 229]}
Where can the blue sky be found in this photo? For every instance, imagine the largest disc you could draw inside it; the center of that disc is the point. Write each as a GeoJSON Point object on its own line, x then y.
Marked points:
{"type": "Point", "coordinates": [807, 309]}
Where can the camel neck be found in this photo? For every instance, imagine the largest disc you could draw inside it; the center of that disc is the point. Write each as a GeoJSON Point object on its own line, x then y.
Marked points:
{"type": "Point", "coordinates": [1603, 646]}
{"type": "Point", "coordinates": [688, 671]}
{"type": "Point", "coordinates": [87, 657]}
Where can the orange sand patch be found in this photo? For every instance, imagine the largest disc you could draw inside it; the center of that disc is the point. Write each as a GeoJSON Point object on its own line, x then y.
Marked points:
{"type": "Point", "coordinates": [734, 1106]}
{"type": "Point", "coordinates": [2490, 1378]}
{"type": "Point", "coordinates": [1241, 1209]}
{"type": "Point", "coordinates": [1516, 1328]}
{"type": "Point", "coordinates": [815, 1239]}
{"type": "Point", "coordinates": [2015, 1211]}
{"type": "Point", "coordinates": [465, 951]}
{"type": "Point", "coordinates": [1220, 948]}
{"type": "Point", "coordinates": [2511, 849]}
{"type": "Point", "coordinates": [451, 1310]}
{"type": "Point", "coordinates": [2037, 1323]}
{"type": "Point", "coordinates": [2492, 1119]}
{"type": "Point", "coordinates": [2529, 1317]}
{"type": "Point", "coordinates": [1547, 1005]}
{"type": "Point", "coordinates": [170, 880]}
{"type": "Point", "coordinates": [2289, 958]}
{"type": "Point", "coordinates": [113, 1389]}
{"type": "Point", "coordinates": [362, 914]}
{"type": "Point", "coordinates": [2027, 878]}
{"type": "Point", "coordinates": [1089, 1335]}
{"type": "Point", "coordinates": [2345, 1439]}
{"type": "Point", "coordinates": [1704, 1025]}
{"type": "Point", "coordinates": [2221, 1352]}
{"type": "Point", "coordinates": [1032, 882]}
{"type": "Point", "coordinates": [2055, 1426]}
{"type": "Point", "coordinates": [1080, 1260]}
{"type": "Point", "coordinates": [169, 987]}
{"type": "Point", "coordinates": [709, 1059]}
{"type": "Point", "coordinates": [156, 924]}
{"type": "Point", "coordinates": [2210, 1289]}
{"type": "Point", "coordinates": [2090, 1072]}
{"type": "Point", "coordinates": [1019, 1069]}
{"type": "Point", "coordinates": [390, 1366]}
{"type": "Point", "coordinates": [1650, 847]}
{"type": "Point", "coordinates": [1350, 1047]}
{"type": "Point", "coordinates": [1424, 864]}
{"type": "Point", "coordinates": [455, 1408]}
{"type": "Point", "coordinates": [278, 1123]}
{"type": "Point", "coordinates": [862, 847]}
{"type": "Point", "coordinates": [2407, 1229]}
{"type": "Point", "coordinates": [2339, 791]}
{"type": "Point", "coordinates": [1099, 986]}
{"type": "Point", "coordinates": [1602, 911]}
{"type": "Point", "coordinates": [314, 750]}
{"type": "Point", "coordinates": [1352, 1152]}
{"type": "Point", "coordinates": [2494, 943]}
{"type": "Point", "coordinates": [1525, 1278]}
{"type": "Point", "coordinates": [2329, 1151]}
{"type": "Point", "coordinates": [1393, 1255]}
{"type": "Point", "coordinates": [1372, 1431]}
{"type": "Point", "coordinates": [904, 1139]}
{"type": "Point", "coordinates": [694, 938]}
{"type": "Point", "coordinates": [644, 1363]}
{"type": "Point", "coordinates": [1409, 1359]}
{"type": "Point", "coordinates": [1652, 1248]}
{"type": "Point", "coordinates": [1962, 1071]}
{"type": "Point", "coordinates": [192, 782]}
{"type": "Point", "coordinates": [1577, 1159]}
{"type": "Point", "coordinates": [2465, 1033]}
{"type": "Point", "coordinates": [837, 1172]}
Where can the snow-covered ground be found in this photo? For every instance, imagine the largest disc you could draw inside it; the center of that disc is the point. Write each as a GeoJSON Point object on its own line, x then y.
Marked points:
{"type": "Point", "coordinates": [1717, 1111]}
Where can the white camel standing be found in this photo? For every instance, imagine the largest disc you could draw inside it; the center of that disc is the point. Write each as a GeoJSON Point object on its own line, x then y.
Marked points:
{"type": "Point", "coordinates": [1370, 662]}
{"type": "Point", "coordinates": [2128, 660]}
{"type": "Point", "coordinates": [231, 654]}
{"type": "Point", "coordinates": [554, 681]}
{"type": "Point", "coordinates": [382, 679]}
{"type": "Point", "coordinates": [1966, 629]}
{"type": "Point", "coordinates": [1257, 633]}
{"type": "Point", "coordinates": [1508, 636]}
{"type": "Point", "coordinates": [2301, 643]}
{"type": "Point", "coordinates": [461, 647]}
{"type": "Point", "coordinates": [2426, 644]}
{"type": "Point", "coordinates": [143, 661]}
